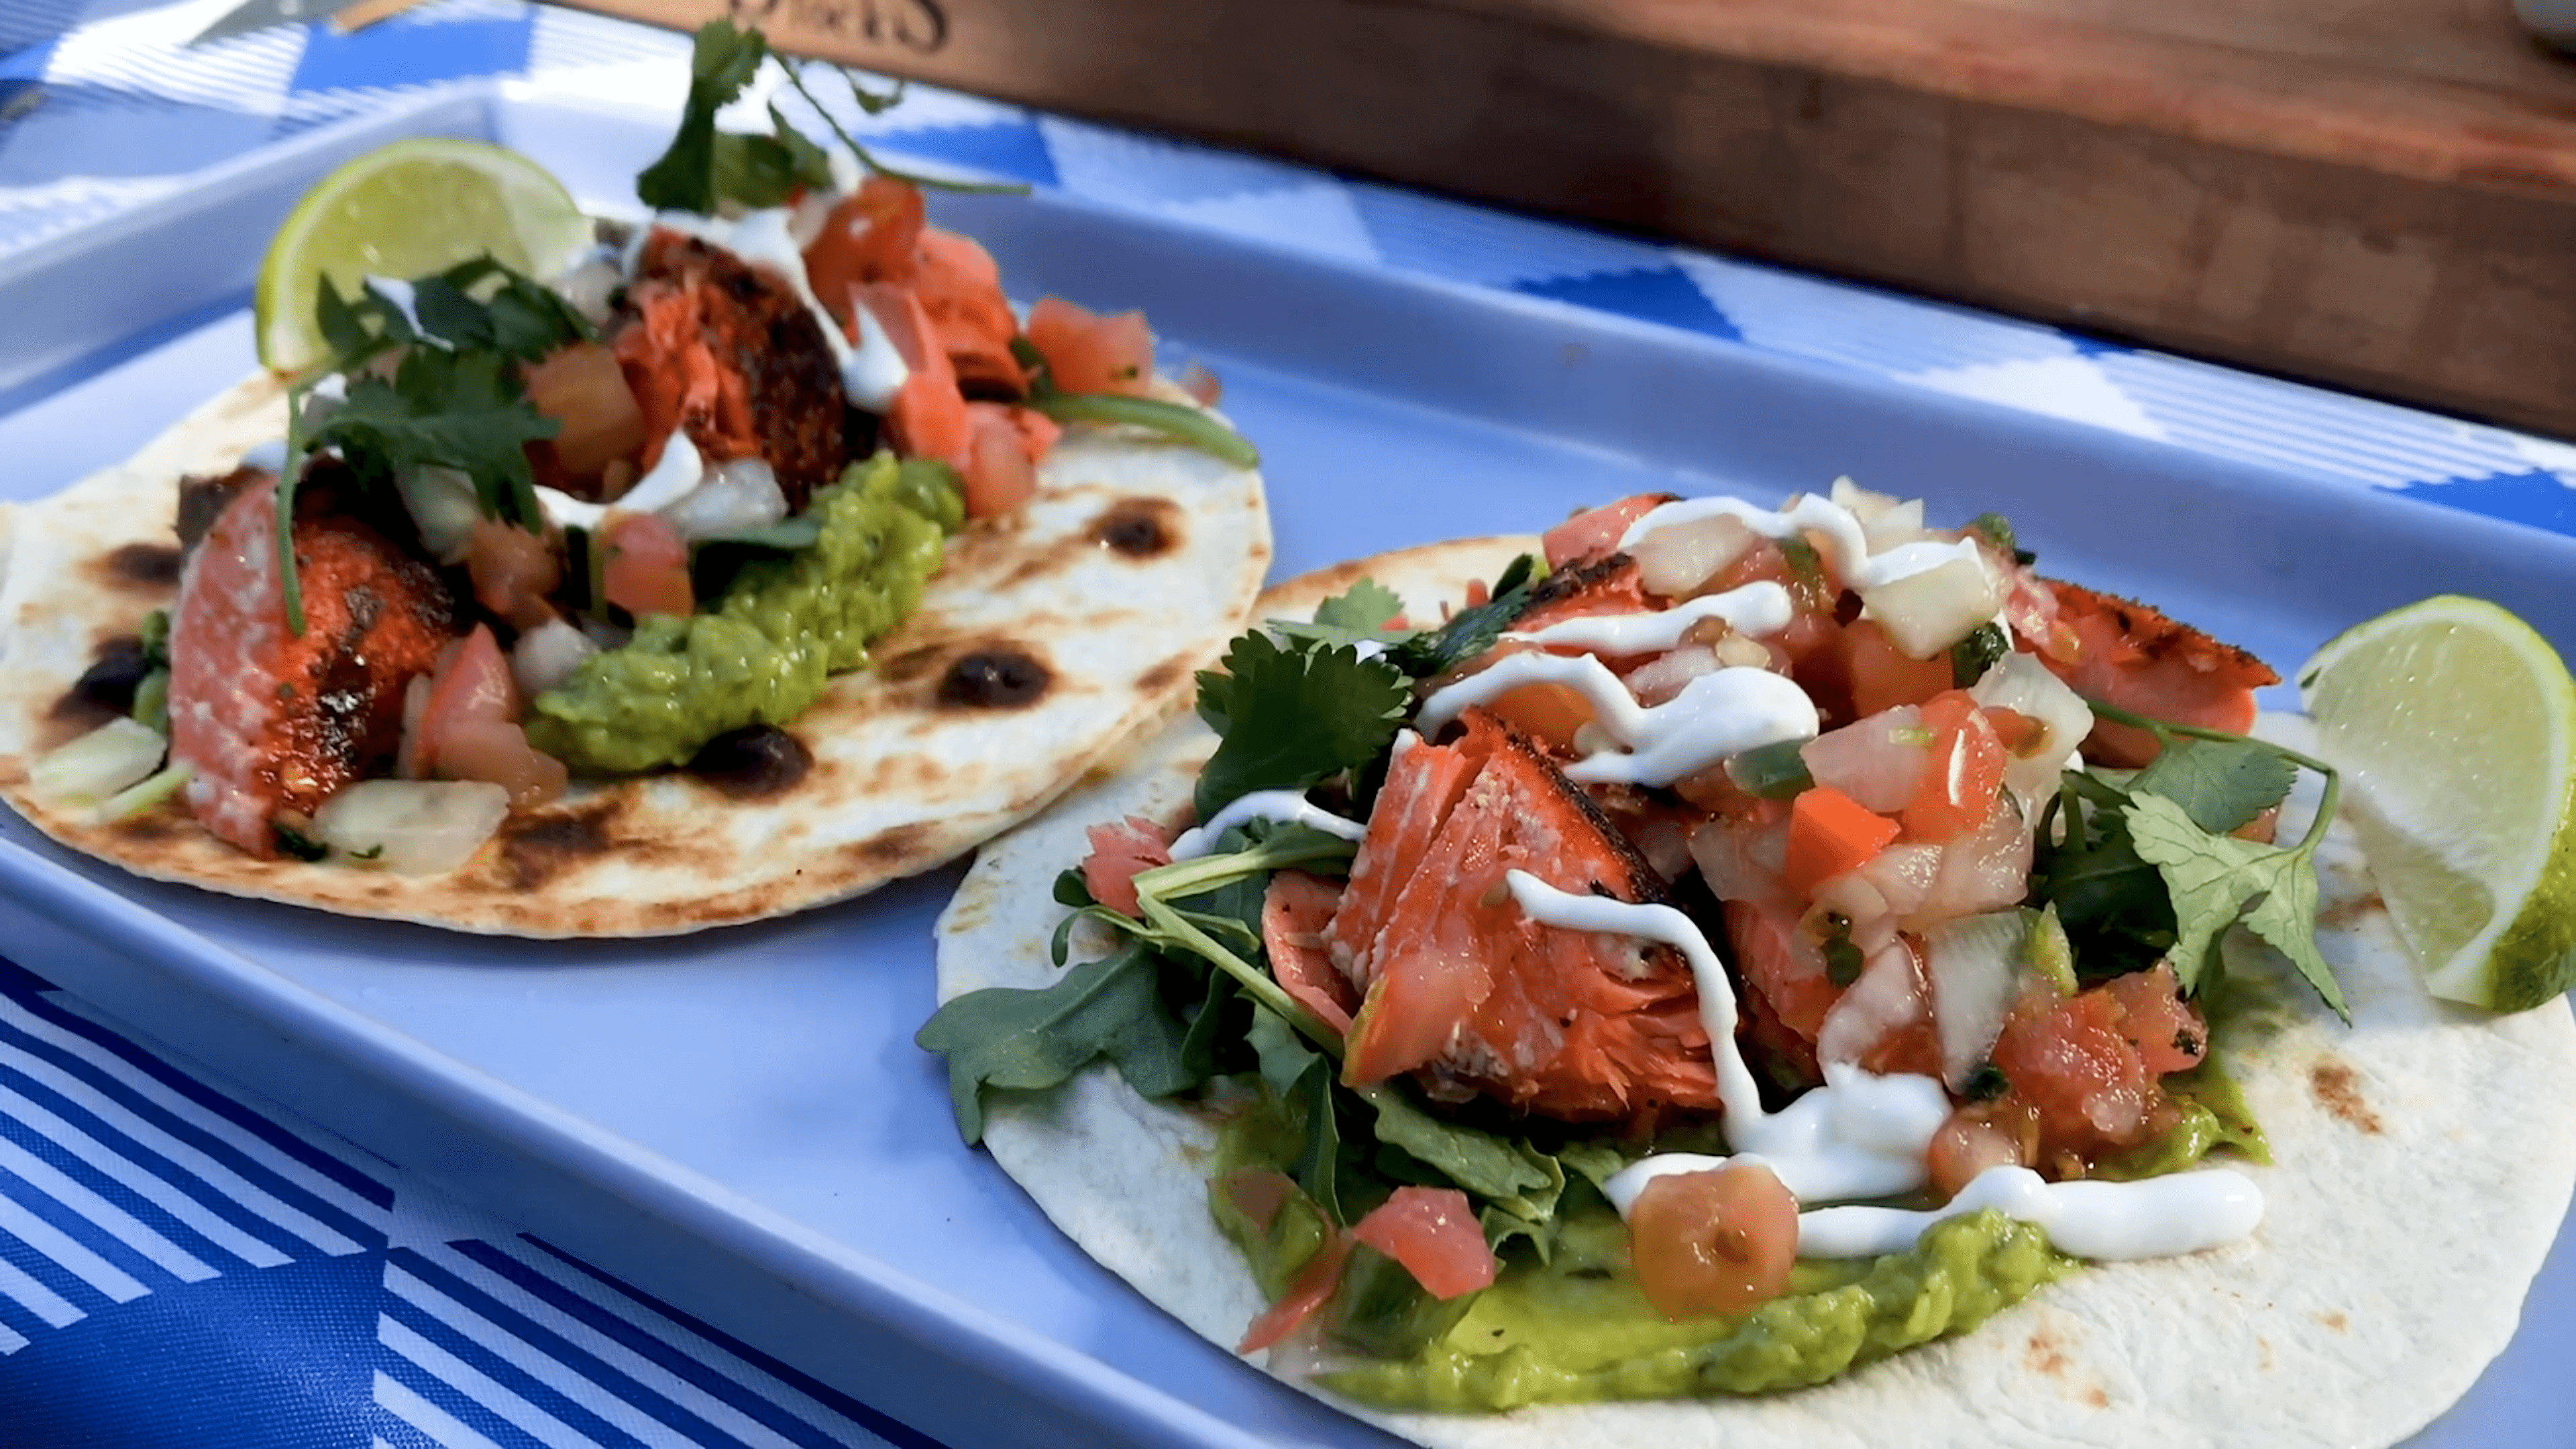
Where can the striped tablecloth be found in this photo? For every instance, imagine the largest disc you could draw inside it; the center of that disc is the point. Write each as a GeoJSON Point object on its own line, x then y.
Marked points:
{"type": "Point", "coordinates": [184, 1265]}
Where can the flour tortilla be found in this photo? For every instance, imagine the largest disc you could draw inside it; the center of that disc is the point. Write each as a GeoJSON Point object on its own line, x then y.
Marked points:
{"type": "Point", "coordinates": [2425, 1160]}
{"type": "Point", "coordinates": [901, 782]}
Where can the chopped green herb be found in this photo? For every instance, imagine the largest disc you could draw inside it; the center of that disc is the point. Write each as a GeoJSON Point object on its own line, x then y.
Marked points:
{"type": "Point", "coordinates": [1773, 772]}
{"type": "Point", "coordinates": [294, 842]}
{"type": "Point", "coordinates": [1293, 716]}
{"type": "Point", "coordinates": [1971, 657]}
{"type": "Point", "coordinates": [1986, 1083]}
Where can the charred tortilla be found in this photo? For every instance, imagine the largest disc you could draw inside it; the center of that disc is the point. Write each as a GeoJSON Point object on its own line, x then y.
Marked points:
{"type": "Point", "coordinates": [1044, 641]}
{"type": "Point", "coordinates": [2425, 1162]}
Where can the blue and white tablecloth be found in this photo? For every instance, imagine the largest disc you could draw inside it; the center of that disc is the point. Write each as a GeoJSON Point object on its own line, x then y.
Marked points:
{"type": "Point", "coordinates": [181, 1265]}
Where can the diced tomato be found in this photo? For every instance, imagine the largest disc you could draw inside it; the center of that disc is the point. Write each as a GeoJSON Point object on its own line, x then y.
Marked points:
{"type": "Point", "coordinates": [1880, 677]}
{"type": "Point", "coordinates": [1433, 1232]}
{"type": "Point", "coordinates": [646, 566]}
{"type": "Point", "coordinates": [1119, 853]}
{"type": "Point", "coordinates": [1782, 965]}
{"type": "Point", "coordinates": [1980, 1135]}
{"type": "Point", "coordinates": [1596, 532]}
{"type": "Point", "coordinates": [2166, 1030]}
{"type": "Point", "coordinates": [1830, 833]}
{"type": "Point", "coordinates": [872, 235]}
{"type": "Point", "coordinates": [1258, 1193]}
{"type": "Point", "coordinates": [513, 572]}
{"type": "Point", "coordinates": [1000, 474]}
{"type": "Point", "coordinates": [1713, 1242]}
{"type": "Point", "coordinates": [1966, 774]}
{"type": "Point", "coordinates": [1548, 713]}
{"type": "Point", "coordinates": [1295, 912]}
{"type": "Point", "coordinates": [1086, 352]}
{"type": "Point", "coordinates": [929, 418]}
{"type": "Point", "coordinates": [961, 292]}
{"type": "Point", "coordinates": [467, 727]}
{"type": "Point", "coordinates": [1310, 1290]}
{"type": "Point", "coordinates": [583, 388]}
{"type": "Point", "coordinates": [2069, 1061]}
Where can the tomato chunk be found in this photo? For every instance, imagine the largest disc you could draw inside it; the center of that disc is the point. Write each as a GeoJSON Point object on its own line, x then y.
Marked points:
{"type": "Point", "coordinates": [647, 566]}
{"type": "Point", "coordinates": [468, 726]}
{"type": "Point", "coordinates": [1433, 1232]}
{"type": "Point", "coordinates": [1295, 913]}
{"type": "Point", "coordinates": [1829, 833]}
{"type": "Point", "coordinates": [1119, 853]}
{"type": "Point", "coordinates": [1966, 777]}
{"type": "Point", "coordinates": [1713, 1242]}
{"type": "Point", "coordinates": [1087, 352]}
{"type": "Point", "coordinates": [1310, 1290]}
{"type": "Point", "coordinates": [1596, 532]}
{"type": "Point", "coordinates": [583, 388]}
{"type": "Point", "coordinates": [1881, 678]}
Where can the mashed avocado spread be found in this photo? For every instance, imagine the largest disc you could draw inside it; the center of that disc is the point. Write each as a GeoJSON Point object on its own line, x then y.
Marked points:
{"type": "Point", "coordinates": [1573, 1326]}
{"type": "Point", "coordinates": [766, 650]}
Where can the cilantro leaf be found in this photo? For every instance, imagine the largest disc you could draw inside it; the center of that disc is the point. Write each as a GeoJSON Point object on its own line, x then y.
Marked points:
{"type": "Point", "coordinates": [1359, 613]}
{"type": "Point", "coordinates": [1471, 631]}
{"type": "Point", "coordinates": [761, 171]}
{"type": "Point", "coordinates": [722, 61]}
{"type": "Point", "coordinates": [1105, 1010]}
{"type": "Point", "coordinates": [2220, 784]}
{"type": "Point", "coordinates": [2215, 878]}
{"type": "Point", "coordinates": [456, 410]}
{"type": "Point", "coordinates": [2115, 908]}
{"type": "Point", "coordinates": [1293, 716]}
{"type": "Point", "coordinates": [484, 306]}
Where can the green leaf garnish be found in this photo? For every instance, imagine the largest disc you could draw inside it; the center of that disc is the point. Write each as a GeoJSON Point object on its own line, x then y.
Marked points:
{"type": "Point", "coordinates": [1359, 614]}
{"type": "Point", "coordinates": [1470, 631]}
{"type": "Point", "coordinates": [2221, 785]}
{"type": "Point", "coordinates": [1293, 716]}
{"type": "Point", "coordinates": [1105, 1010]}
{"type": "Point", "coordinates": [1197, 427]}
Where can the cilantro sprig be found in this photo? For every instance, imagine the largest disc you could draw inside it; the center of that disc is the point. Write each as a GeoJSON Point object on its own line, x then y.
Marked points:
{"type": "Point", "coordinates": [704, 166]}
{"type": "Point", "coordinates": [453, 399]}
{"type": "Point", "coordinates": [2149, 868]}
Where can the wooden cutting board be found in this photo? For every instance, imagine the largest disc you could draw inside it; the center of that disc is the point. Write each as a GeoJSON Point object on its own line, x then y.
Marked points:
{"type": "Point", "coordinates": [2377, 194]}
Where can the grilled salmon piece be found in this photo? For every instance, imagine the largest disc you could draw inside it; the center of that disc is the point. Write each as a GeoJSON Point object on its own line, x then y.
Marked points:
{"type": "Point", "coordinates": [1581, 590]}
{"type": "Point", "coordinates": [272, 723]}
{"type": "Point", "coordinates": [1467, 992]}
{"type": "Point", "coordinates": [734, 356]}
{"type": "Point", "coordinates": [2125, 653]}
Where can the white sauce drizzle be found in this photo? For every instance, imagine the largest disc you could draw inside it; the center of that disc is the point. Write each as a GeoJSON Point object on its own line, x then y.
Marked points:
{"type": "Point", "coordinates": [871, 373]}
{"type": "Point", "coordinates": [1286, 807]}
{"type": "Point", "coordinates": [681, 471]}
{"type": "Point", "coordinates": [2110, 1222]}
{"type": "Point", "coordinates": [1714, 718]}
{"type": "Point", "coordinates": [268, 457]}
{"type": "Point", "coordinates": [1862, 1135]}
{"type": "Point", "coordinates": [1755, 609]}
{"type": "Point", "coordinates": [1844, 544]}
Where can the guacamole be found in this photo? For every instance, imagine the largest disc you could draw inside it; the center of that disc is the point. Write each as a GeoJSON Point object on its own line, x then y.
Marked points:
{"type": "Point", "coordinates": [765, 651]}
{"type": "Point", "coordinates": [1578, 1328]}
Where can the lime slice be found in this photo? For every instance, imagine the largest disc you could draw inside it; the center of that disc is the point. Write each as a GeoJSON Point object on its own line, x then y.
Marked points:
{"type": "Point", "coordinates": [2454, 725]}
{"type": "Point", "coordinates": [404, 211]}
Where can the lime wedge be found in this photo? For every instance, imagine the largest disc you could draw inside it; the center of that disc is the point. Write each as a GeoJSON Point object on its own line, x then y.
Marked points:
{"type": "Point", "coordinates": [404, 211]}
{"type": "Point", "coordinates": [2454, 725]}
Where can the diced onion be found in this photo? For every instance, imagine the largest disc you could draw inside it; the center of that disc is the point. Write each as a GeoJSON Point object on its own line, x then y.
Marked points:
{"type": "Point", "coordinates": [1898, 526]}
{"type": "Point", "coordinates": [588, 283]}
{"type": "Point", "coordinates": [1878, 761]}
{"type": "Point", "coordinates": [1975, 964]}
{"type": "Point", "coordinates": [2019, 682]}
{"type": "Point", "coordinates": [412, 827]}
{"type": "Point", "coordinates": [1888, 995]}
{"type": "Point", "coordinates": [547, 655]}
{"type": "Point", "coordinates": [117, 754]}
{"type": "Point", "coordinates": [736, 497]}
{"type": "Point", "coordinates": [442, 503]}
{"type": "Point", "coordinates": [1659, 680]}
{"type": "Point", "coordinates": [133, 800]}
{"type": "Point", "coordinates": [1864, 504]}
{"type": "Point", "coordinates": [1675, 561]}
{"type": "Point", "coordinates": [1928, 612]}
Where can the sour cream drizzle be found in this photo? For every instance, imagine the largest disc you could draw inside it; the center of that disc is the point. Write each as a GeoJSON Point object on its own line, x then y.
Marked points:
{"type": "Point", "coordinates": [1842, 542]}
{"type": "Point", "coordinates": [1287, 807]}
{"type": "Point", "coordinates": [1755, 609]}
{"type": "Point", "coordinates": [1715, 717]}
{"type": "Point", "coordinates": [1862, 1135]}
{"type": "Point", "coordinates": [677, 475]}
{"type": "Point", "coordinates": [871, 373]}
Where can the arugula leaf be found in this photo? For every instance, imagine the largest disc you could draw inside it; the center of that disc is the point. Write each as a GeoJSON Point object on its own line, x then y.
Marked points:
{"type": "Point", "coordinates": [1480, 1162]}
{"type": "Point", "coordinates": [722, 61]}
{"type": "Point", "coordinates": [1470, 632]}
{"type": "Point", "coordinates": [2216, 879]}
{"type": "Point", "coordinates": [2220, 784]}
{"type": "Point", "coordinates": [1357, 614]}
{"type": "Point", "coordinates": [1109, 1009]}
{"type": "Point", "coordinates": [1293, 716]}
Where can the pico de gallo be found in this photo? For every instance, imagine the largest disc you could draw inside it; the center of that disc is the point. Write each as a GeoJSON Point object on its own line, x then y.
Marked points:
{"type": "Point", "coordinates": [630, 516]}
{"type": "Point", "coordinates": [1735, 946]}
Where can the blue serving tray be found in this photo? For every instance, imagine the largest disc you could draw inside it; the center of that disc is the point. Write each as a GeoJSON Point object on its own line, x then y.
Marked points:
{"type": "Point", "coordinates": [738, 1122]}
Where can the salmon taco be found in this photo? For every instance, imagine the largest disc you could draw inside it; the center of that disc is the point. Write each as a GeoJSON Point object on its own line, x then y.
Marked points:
{"type": "Point", "coordinates": [1724, 974]}
{"type": "Point", "coordinates": [753, 555]}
